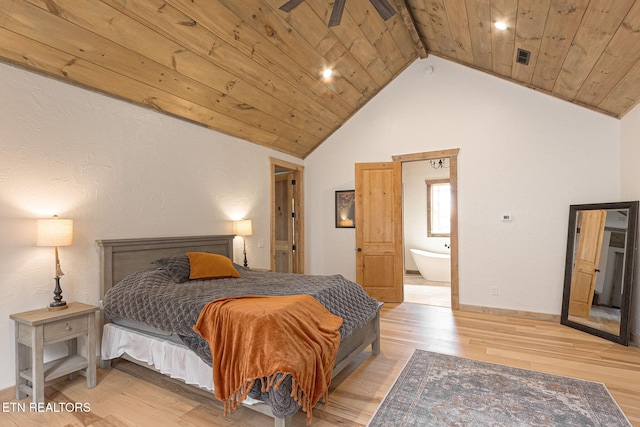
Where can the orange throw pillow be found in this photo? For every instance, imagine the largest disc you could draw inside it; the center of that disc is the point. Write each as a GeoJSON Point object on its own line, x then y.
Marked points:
{"type": "Point", "coordinates": [210, 266]}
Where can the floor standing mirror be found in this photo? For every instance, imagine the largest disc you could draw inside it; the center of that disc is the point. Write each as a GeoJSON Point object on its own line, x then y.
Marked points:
{"type": "Point", "coordinates": [601, 250]}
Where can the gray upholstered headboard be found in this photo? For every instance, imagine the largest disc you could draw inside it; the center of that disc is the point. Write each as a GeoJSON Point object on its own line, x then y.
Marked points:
{"type": "Point", "coordinates": [121, 257]}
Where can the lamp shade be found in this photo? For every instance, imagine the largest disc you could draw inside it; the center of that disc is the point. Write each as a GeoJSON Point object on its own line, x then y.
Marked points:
{"type": "Point", "coordinates": [55, 232]}
{"type": "Point", "coordinates": [243, 227]}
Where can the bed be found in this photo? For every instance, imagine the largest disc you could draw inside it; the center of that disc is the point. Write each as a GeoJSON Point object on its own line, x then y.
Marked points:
{"type": "Point", "coordinates": [128, 338]}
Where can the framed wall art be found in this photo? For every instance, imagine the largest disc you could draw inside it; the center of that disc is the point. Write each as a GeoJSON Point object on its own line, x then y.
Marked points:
{"type": "Point", "coordinates": [345, 209]}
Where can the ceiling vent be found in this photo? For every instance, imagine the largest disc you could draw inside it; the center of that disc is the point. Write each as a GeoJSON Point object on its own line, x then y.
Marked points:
{"type": "Point", "coordinates": [522, 57]}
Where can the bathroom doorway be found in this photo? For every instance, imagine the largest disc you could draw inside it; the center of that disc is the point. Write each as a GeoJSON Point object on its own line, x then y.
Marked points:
{"type": "Point", "coordinates": [429, 182]}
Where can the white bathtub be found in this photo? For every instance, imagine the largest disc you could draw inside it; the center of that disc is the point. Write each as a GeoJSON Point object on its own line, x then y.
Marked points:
{"type": "Point", "coordinates": [432, 266]}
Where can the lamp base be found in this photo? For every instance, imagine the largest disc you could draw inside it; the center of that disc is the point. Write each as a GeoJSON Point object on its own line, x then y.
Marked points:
{"type": "Point", "coordinates": [58, 303]}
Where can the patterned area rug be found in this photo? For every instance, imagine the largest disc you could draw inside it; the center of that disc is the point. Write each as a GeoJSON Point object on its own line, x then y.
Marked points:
{"type": "Point", "coordinates": [440, 390]}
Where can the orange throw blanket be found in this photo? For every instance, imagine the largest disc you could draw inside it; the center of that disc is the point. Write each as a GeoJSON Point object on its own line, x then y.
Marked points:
{"type": "Point", "coordinates": [257, 337]}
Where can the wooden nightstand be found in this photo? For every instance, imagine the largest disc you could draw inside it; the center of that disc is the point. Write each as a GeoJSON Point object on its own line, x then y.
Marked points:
{"type": "Point", "coordinates": [38, 328]}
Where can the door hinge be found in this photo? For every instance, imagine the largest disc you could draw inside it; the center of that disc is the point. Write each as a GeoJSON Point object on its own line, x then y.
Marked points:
{"type": "Point", "coordinates": [293, 248]}
{"type": "Point", "coordinates": [293, 214]}
{"type": "Point", "coordinates": [293, 182]}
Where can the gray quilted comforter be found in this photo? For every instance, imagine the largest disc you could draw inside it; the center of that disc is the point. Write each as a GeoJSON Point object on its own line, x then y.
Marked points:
{"type": "Point", "coordinates": [152, 297]}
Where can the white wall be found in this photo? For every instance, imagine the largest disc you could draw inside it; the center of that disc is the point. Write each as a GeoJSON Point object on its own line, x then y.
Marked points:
{"type": "Point", "coordinates": [521, 152]}
{"type": "Point", "coordinates": [630, 159]}
{"type": "Point", "coordinates": [118, 171]}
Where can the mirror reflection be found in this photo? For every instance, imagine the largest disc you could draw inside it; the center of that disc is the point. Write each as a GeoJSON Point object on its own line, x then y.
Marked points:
{"type": "Point", "coordinates": [599, 269]}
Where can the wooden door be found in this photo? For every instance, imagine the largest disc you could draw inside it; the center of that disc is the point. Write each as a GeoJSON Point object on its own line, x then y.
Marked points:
{"type": "Point", "coordinates": [585, 270]}
{"type": "Point", "coordinates": [287, 217]}
{"type": "Point", "coordinates": [378, 212]}
{"type": "Point", "coordinates": [283, 223]}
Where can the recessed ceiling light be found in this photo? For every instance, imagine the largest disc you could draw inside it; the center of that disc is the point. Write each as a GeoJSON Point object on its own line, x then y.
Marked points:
{"type": "Point", "coordinates": [327, 73]}
{"type": "Point", "coordinates": [500, 25]}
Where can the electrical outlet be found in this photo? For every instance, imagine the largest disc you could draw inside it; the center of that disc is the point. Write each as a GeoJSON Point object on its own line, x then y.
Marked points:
{"type": "Point", "coordinates": [494, 290]}
{"type": "Point", "coordinates": [261, 243]}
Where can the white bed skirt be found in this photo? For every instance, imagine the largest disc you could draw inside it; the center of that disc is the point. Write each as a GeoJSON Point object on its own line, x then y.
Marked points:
{"type": "Point", "coordinates": [169, 358]}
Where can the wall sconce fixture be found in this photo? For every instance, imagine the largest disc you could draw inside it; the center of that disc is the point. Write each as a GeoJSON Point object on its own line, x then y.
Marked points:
{"type": "Point", "coordinates": [56, 232]}
{"type": "Point", "coordinates": [244, 229]}
{"type": "Point", "coordinates": [440, 163]}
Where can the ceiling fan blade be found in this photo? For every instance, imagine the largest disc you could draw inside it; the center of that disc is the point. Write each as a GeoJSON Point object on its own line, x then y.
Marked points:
{"type": "Point", "coordinates": [290, 5]}
{"type": "Point", "coordinates": [384, 8]}
{"type": "Point", "coordinates": [336, 13]}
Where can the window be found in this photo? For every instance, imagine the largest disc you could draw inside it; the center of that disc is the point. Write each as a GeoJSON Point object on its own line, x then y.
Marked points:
{"type": "Point", "coordinates": [438, 208]}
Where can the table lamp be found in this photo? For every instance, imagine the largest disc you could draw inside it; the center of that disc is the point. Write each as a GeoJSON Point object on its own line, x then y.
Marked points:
{"type": "Point", "coordinates": [243, 228]}
{"type": "Point", "coordinates": [56, 232]}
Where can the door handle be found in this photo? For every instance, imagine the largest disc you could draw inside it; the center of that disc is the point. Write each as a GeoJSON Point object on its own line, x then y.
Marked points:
{"type": "Point", "coordinates": [359, 249]}
{"type": "Point", "coordinates": [597, 271]}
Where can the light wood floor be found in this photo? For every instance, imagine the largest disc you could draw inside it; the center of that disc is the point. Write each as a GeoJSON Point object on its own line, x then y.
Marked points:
{"type": "Point", "coordinates": [123, 399]}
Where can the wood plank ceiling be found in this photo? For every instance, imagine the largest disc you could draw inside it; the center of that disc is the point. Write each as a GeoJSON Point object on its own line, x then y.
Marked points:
{"type": "Point", "coordinates": [586, 52]}
{"type": "Point", "coordinates": [248, 69]}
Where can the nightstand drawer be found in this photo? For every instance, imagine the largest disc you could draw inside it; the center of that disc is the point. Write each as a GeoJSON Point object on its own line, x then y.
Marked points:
{"type": "Point", "coordinates": [64, 329]}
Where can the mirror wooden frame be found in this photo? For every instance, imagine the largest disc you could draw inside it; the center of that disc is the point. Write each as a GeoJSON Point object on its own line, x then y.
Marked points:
{"type": "Point", "coordinates": [630, 249]}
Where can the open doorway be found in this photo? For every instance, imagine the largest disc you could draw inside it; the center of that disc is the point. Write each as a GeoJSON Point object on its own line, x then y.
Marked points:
{"type": "Point", "coordinates": [430, 250]}
{"type": "Point", "coordinates": [287, 218]}
{"type": "Point", "coordinates": [427, 231]}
